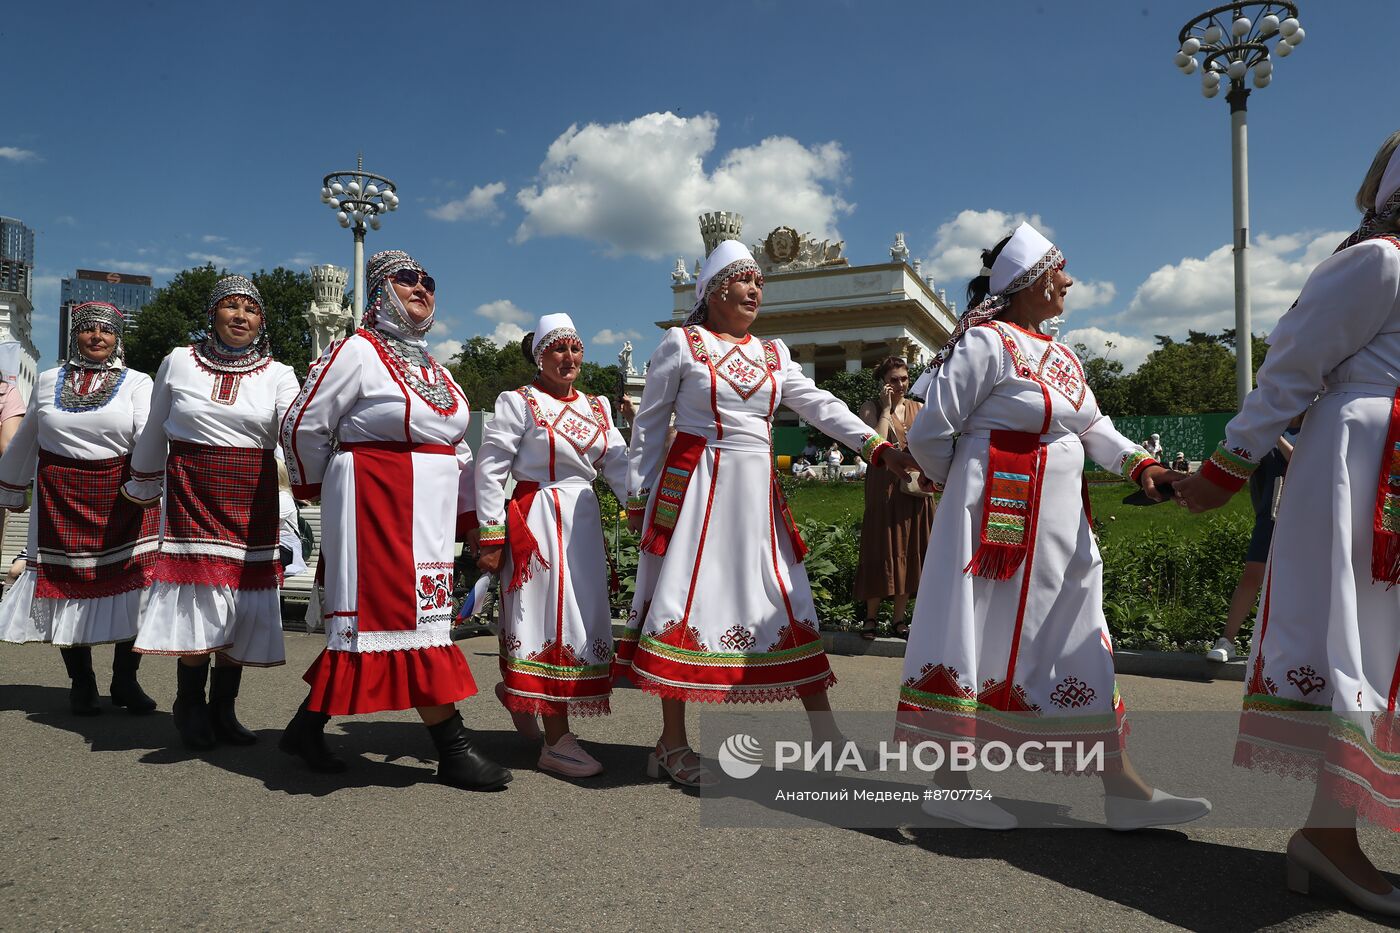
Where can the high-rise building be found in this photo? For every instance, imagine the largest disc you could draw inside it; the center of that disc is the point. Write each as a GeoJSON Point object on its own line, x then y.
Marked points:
{"type": "Point", "coordinates": [16, 258]}
{"type": "Point", "coordinates": [131, 293]}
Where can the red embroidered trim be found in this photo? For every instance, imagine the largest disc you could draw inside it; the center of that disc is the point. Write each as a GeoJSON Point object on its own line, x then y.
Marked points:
{"type": "Point", "coordinates": [202, 570]}
{"type": "Point", "coordinates": [734, 694]}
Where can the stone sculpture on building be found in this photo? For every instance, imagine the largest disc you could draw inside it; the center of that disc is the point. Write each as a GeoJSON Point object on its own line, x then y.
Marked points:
{"type": "Point", "coordinates": [328, 314]}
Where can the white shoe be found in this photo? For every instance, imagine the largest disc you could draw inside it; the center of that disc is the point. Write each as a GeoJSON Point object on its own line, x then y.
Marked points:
{"type": "Point", "coordinates": [1125, 813]}
{"type": "Point", "coordinates": [1224, 650]}
{"type": "Point", "coordinates": [1305, 861]}
{"type": "Point", "coordinates": [977, 814]}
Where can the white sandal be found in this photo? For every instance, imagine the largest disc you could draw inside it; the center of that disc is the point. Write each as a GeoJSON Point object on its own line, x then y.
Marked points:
{"type": "Point", "coordinates": [672, 761]}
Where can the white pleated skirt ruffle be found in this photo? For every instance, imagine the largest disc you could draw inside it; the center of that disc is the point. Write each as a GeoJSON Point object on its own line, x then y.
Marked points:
{"type": "Point", "coordinates": [66, 622]}
{"type": "Point", "coordinates": [183, 618]}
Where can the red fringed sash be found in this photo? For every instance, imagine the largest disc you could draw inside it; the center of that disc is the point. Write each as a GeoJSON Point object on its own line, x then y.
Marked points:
{"type": "Point", "coordinates": [670, 496]}
{"type": "Point", "coordinates": [799, 547]}
{"type": "Point", "coordinates": [93, 542]}
{"type": "Point", "coordinates": [1385, 542]}
{"type": "Point", "coordinates": [525, 555]}
{"type": "Point", "coordinates": [1008, 505]}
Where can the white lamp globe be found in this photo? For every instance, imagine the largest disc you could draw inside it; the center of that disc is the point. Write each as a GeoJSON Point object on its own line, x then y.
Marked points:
{"type": "Point", "coordinates": [334, 203]}
{"type": "Point", "coordinates": [325, 192]}
{"type": "Point", "coordinates": [1191, 46]}
{"type": "Point", "coordinates": [1288, 27]}
{"type": "Point", "coordinates": [338, 188]}
{"type": "Point", "coordinates": [1268, 25]}
{"type": "Point", "coordinates": [1212, 34]}
{"type": "Point", "coordinates": [354, 187]}
{"type": "Point", "coordinates": [374, 223]}
{"type": "Point", "coordinates": [1210, 90]}
{"type": "Point", "coordinates": [1297, 37]}
{"type": "Point", "coordinates": [1191, 65]}
{"type": "Point", "coordinates": [1211, 80]}
{"type": "Point", "coordinates": [1181, 59]}
{"type": "Point", "coordinates": [371, 191]}
{"type": "Point", "coordinates": [1283, 49]}
{"type": "Point", "coordinates": [1241, 26]}
{"type": "Point", "coordinates": [1262, 80]}
{"type": "Point", "coordinates": [343, 217]}
{"type": "Point", "coordinates": [1265, 67]}
{"type": "Point", "coordinates": [1236, 70]}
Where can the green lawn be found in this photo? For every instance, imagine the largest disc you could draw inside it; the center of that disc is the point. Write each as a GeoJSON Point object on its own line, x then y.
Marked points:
{"type": "Point", "coordinates": [840, 503]}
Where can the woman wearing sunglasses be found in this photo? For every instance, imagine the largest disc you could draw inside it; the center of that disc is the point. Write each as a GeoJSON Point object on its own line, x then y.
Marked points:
{"type": "Point", "coordinates": [207, 446]}
{"type": "Point", "coordinates": [378, 433]}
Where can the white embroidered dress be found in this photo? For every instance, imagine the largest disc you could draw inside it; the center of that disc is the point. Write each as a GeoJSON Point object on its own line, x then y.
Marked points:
{"type": "Point", "coordinates": [1326, 653]}
{"type": "Point", "coordinates": [394, 473]}
{"type": "Point", "coordinates": [726, 612]}
{"type": "Point", "coordinates": [1035, 644]}
{"type": "Point", "coordinates": [94, 434]}
{"type": "Point", "coordinates": [556, 628]}
{"type": "Point", "coordinates": [212, 416]}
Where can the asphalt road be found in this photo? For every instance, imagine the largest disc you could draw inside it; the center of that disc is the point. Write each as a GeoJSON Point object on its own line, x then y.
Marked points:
{"type": "Point", "coordinates": [108, 824]}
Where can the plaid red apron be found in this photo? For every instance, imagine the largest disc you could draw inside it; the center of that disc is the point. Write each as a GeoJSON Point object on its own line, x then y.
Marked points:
{"type": "Point", "coordinates": [93, 542]}
{"type": "Point", "coordinates": [221, 518]}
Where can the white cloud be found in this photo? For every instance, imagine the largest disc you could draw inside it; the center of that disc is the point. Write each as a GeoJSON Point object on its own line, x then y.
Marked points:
{"type": "Point", "coordinates": [211, 238]}
{"type": "Point", "coordinates": [505, 311]}
{"type": "Point", "coordinates": [1198, 293]}
{"type": "Point", "coordinates": [15, 154]}
{"type": "Point", "coordinates": [123, 265]}
{"type": "Point", "coordinates": [1086, 294]}
{"type": "Point", "coordinates": [956, 255]}
{"type": "Point", "coordinates": [479, 203]}
{"type": "Point", "coordinates": [1126, 349]}
{"type": "Point", "coordinates": [300, 261]}
{"type": "Point", "coordinates": [638, 187]}
{"type": "Point", "coordinates": [607, 337]}
{"type": "Point", "coordinates": [506, 333]}
{"type": "Point", "coordinates": [444, 350]}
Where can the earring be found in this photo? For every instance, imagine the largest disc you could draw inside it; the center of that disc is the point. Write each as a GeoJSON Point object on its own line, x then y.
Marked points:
{"type": "Point", "coordinates": [1049, 293]}
{"type": "Point", "coordinates": [724, 295]}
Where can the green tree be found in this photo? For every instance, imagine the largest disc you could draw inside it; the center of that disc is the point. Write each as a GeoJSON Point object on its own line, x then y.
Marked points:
{"type": "Point", "coordinates": [484, 371]}
{"type": "Point", "coordinates": [176, 317]}
{"type": "Point", "coordinates": [1105, 378]}
{"type": "Point", "coordinates": [857, 388]}
{"type": "Point", "coordinates": [1183, 379]}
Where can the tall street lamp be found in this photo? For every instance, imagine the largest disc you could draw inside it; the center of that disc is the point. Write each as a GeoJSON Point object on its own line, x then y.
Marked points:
{"type": "Point", "coordinates": [359, 198]}
{"type": "Point", "coordinates": [1235, 41]}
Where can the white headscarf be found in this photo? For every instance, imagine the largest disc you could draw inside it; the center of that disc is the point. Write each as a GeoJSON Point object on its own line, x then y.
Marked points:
{"type": "Point", "coordinates": [1023, 260]}
{"type": "Point", "coordinates": [730, 258]}
{"type": "Point", "coordinates": [1386, 206]}
{"type": "Point", "coordinates": [551, 329]}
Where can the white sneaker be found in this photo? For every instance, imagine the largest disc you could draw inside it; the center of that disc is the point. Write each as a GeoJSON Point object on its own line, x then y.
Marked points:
{"type": "Point", "coordinates": [1125, 813]}
{"type": "Point", "coordinates": [977, 814]}
{"type": "Point", "coordinates": [1224, 650]}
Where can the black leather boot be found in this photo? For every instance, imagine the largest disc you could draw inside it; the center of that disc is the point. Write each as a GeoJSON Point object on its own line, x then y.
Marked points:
{"type": "Point", "coordinates": [460, 764]}
{"type": "Point", "coordinates": [82, 696]}
{"type": "Point", "coordinates": [191, 711]}
{"type": "Point", "coordinates": [223, 690]}
{"type": "Point", "coordinates": [305, 737]}
{"type": "Point", "coordinates": [126, 690]}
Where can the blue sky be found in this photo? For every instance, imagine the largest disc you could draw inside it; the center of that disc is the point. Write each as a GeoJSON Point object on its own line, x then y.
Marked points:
{"type": "Point", "coordinates": [553, 156]}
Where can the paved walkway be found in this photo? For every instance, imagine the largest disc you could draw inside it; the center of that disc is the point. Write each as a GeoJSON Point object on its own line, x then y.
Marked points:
{"type": "Point", "coordinates": [108, 826]}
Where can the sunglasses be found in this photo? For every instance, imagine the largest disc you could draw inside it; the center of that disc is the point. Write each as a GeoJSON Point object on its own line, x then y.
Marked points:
{"type": "Point", "coordinates": [411, 277]}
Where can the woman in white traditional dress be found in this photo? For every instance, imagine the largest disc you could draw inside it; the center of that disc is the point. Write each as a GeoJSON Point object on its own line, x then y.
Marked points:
{"type": "Point", "coordinates": [1324, 671]}
{"type": "Point", "coordinates": [208, 446]}
{"type": "Point", "coordinates": [378, 433]}
{"type": "Point", "coordinates": [1009, 640]}
{"type": "Point", "coordinates": [90, 548]}
{"type": "Point", "coordinates": [547, 543]}
{"type": "Point", "coordinates": [723, 611]}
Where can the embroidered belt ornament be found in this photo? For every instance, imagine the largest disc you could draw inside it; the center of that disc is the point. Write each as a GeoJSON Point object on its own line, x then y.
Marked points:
{"type": "Point", "coordinates": [1009, 503]}
{"type": "Point", "coordinates": [670, 496]}
{"type": "Point", "coordinates": [1385, 540]}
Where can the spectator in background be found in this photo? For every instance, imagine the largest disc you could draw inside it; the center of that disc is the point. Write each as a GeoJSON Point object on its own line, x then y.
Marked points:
{"type": "Point", "coordinates": [810, 452]}
{"type": "Point", "coordinates": [802, 467]}
{"type": "Point", "coordinates": [1265, 486]}
{"type": "Point", "coordinates": [1181, 464]}
{"type": "Point", "coordinates": [1153, 446]}
{"type": "Point", "coordinates": [833, 462]}
{"type": "Point", "coordinates": [894, 529]}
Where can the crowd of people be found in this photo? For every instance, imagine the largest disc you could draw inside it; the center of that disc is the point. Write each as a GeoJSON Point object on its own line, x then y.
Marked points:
{"type": "Point", "coordinates": [156, 527]}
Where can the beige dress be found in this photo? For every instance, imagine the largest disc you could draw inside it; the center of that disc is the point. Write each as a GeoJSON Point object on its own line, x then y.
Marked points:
{"type": "Point", "coordinates": [894, 531]}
